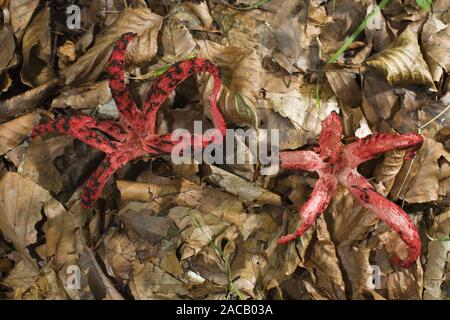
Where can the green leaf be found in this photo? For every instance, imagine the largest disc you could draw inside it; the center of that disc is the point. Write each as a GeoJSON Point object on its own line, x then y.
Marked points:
{"type": "Point", "coordinates": [424, 4]}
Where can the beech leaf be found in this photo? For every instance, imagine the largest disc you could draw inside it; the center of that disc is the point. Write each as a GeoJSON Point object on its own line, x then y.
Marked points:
{"type": "Point", "coordinates": [403, 63]}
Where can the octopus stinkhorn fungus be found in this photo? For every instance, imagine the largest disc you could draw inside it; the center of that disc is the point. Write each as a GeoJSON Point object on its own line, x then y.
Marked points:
{"type": "Point", "coordinates": [337, 164]}
{"type": "Point", "coordinates": [135, 135]}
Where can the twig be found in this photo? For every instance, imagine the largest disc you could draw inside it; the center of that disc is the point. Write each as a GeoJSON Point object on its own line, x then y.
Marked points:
{"type": "Point", "coordinates": [434, 119]}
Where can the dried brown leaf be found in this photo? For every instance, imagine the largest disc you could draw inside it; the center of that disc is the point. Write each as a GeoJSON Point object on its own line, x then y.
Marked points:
{"type": "Point", "coordinates": [420, 183]}
{"type": "Point", "coordinates": [142, 21]}
{"type": "Point", "coordinates": [403, 62]}
{"type": "Point", "coordinates": [13, 132]}
{"type": "Point", "coordinates": [36, 49]}
{"type": "Point", "coordinates": [151, 282]}
{"type": "Point", "coordinates": [37, 163]}
{"type": "Point", "coordinates": [176, 39]}
{"type": "Point", "coordinates": [21, 202]}
{"type": "Point", "coordinates": [26, 101]}
{"type": "Point", "coordinates": [350, 222]}
{"type": "Point", "coordinates": [323, 263]}
{"type": "Point", "coordinates": [379, 97]}
{"type": "Point", "coordinates": [345, 87]}
{"type": "Point", "coordinates": [197, 230]}
{"type": "Point", "coordinates": [438, 251]}
{"type": "Point", "coordinates": [7, 58]}
{"type": "Point", "coordinates": [436, 43]}
{"type": "Point", "coordinates": [242, 188]}
{"type": "Point", "coordinates": [241, 73]}
{"type": "Point", "coordinates": [387, 170]}
{"type": "Point", "coordinates": [119, 255]}
{"type": "Point", "coordinates": [84, 97]}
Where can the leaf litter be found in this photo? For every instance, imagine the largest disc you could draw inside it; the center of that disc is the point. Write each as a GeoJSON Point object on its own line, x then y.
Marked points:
{"type": "Point", "coordinates": [168, 231]}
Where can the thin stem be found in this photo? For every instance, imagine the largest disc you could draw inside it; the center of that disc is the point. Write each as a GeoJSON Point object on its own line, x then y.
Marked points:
{"type": "Point", "coordinates": [349, 41]}
{"type": "Point", "coordinates": [358, 30]}
{"type": "Point", "coordinates": [434, 119]}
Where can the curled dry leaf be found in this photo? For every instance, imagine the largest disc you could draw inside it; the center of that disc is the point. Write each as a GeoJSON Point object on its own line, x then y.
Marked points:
{"type": "Point", "coordinates": [120, 253]}
{"type": "Point", "coordinates": [7, 58]}
{"type": "Point", "coordinates": [21, 12]}
{"type": "Point", "coordinates": [436, 43]}
{"type": "Point", "coordinates": [345, 87]}
{"type": "Point", "coordinates": [201, 12]}
{"type": "Point", "coordinates": [37, 163]}
{"type": "Point", "coordinates": [176, 39]}
{"type": "Point", "coordinates": [13, 132]}
{"type": "Point", "coordinates": [303, 114]}
{"type": "Point", "coordinates": [241, 73]}
{"type": "Point", "coordinates": [197, 230]}
{"type": "Point", "coordinates": [387, 170]}
{"type": "Point", "coordinates": [323, 263]}
{"type": "Point", "coordinates": [195, 15]}
{"type": "Point", "coordinates": [66, 54]}
{"type": "Point", "coordinates": [162, 194]}
{"type": "Point", "coordinates": [142, 21]}
{"type": "Point", "coordinates": [36, 48]}
{"type": "Point", "coordinates": [61, 242]}
{"type": "Point", "coordinates": [5, 82]}
{"type": "Point", "coordinates": [438, 251]}
{"type": "Point", "coordinates": [379, 97]}
{"type": "Point", "coordinates": [21, 202]}
{"type": "Point", "coordinates": [26, 101]}
{"type": "Point", "coordinates": [84, 97]}
{"type": "Point", "coordinates": [242, 188]}
{"type": "Point", "coordinates": [402, 63]}
{"type": "Point", "coordinates": [419, 182]}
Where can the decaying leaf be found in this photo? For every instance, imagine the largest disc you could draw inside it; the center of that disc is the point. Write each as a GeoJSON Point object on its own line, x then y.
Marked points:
{"type": "Point", "coordinates": [303, 114]}
{"type": "Point", "coordinates": [120, 253]}
{"type": "Point", "coordinates": [345, 88]}
{"type": "Point", "coordinates": [435, 40]}
{"type": "Point", "coordinates": [13, 132]}
{"type": "Point", "coordinates": [21, 201]}
{"type": "Point", "coordinates": [151, 282]}
{"type": "Point", "coordinates": [210, 230]}
{"type": "Point", "coordinates": [241, 73]}
{"type": "Point", "coordinates": [403, 62]}
{"type": "Point", "coordinates": [84, 97]}
{"type": "Point", "coordinates": [438, 252]}
{"type": "Point", "coordinates": [388, 169]}
{"type": "Point", "coordinates": [240, 187]}
{"type": "Point", "coordinates": [141, 21]}
{"type": "Point", "coordinates": [379, 97]}
{"type": "Point", "coordinates": [177, 40]}
{"type": "Point", "coordinates": [419, 182]}
{"type": "Point", "coordinates": [21, 12]}
{"type": "Point", "coordinates": [36, 46]}
{"type": "Point", "coordinates": [37, 162]}
{"type": "Point", "coordinates": [196, 229]}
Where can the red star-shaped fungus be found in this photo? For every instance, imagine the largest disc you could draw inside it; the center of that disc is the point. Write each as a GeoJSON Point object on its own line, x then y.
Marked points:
{"type": "Point", "coordinates": [336, 163]}
{"type": "Point", "coordinates": [135, 134]}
